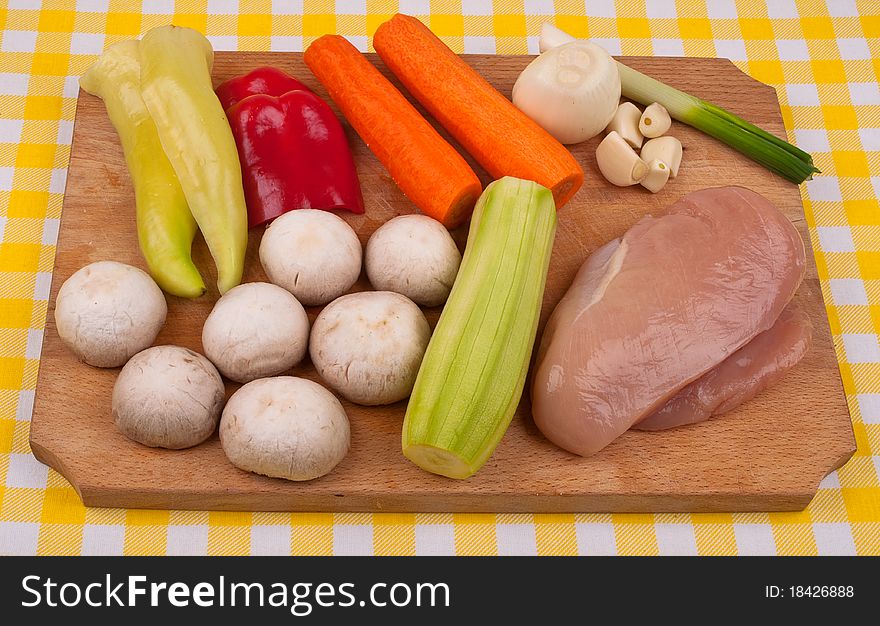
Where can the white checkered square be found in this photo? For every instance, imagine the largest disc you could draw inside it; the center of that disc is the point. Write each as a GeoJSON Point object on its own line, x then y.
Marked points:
{"type": "Point", "coordinates": [158, 7]}
{"type": "Point", "coordinates": [86, 43]}
{"type": "Point", "coordinates": [223, 42]}
{"type": "Point", "coordinates": [27, 5]}
{"type": "Point", "coordinates": [676, 539]}
{"type": "Point", "coordinates": [476, 7]}
{"type": "Point", "coordinates": [834, 238]}
{"type": "Point", "coordinates": [103, 540]}
{"type": "Point", "coordinates": [34, 344]}
{"type": "Point", "coordinates": [848, 291]}
{"type": "Point", "coordinates": [14, 84]}
{"type": "Point", "coordinates": [57, 181]}
{"type": "Point", "coordinates": [595, 539]}
{"type": "Point", "coordinates": [754, 539]}
{"type": "Point", "coordinates": [479, 45]}
{"type": "Point", "coordinates": [94, 6]}
{"type": "Point", "coordinates": [612, 46]}
{"type": "Point", "coordinates": [287, 7]}
{"type": "Point", "coordinates": [875, 183]}
{"type": "Point", "coordinates": [842, 8]}
{"type": "Point", "coordinates": [65, 132]}
{"type": "Point", "coordinates": [853, 49]}
{"type": "Point", "coordinates": [869, 407]}
{"type": "Point", "coordinates": [270, 540]}
{"type": "Point", "coordinates": [516, 540]}
{"type": "Point", "coordinates": [792, 50]}
{"type": "Point", "coordinates": [5, 185]}
{"type": "Point", "coordinates": [42, 284]}
{"type": "Point", "coordinates": [19, 538]}
{"type": "Point", "coordinates": [802, 94]}
{"type": "Point", "coordinates": [26, 472]}
{"type": "Point", "coordinates": [19, 41]}
{"type": "Point", "coordinates": [2, 217]}
{"type": "Point", "coordinates": [25, 406]}
{"type": "Point", "coordinates": [832, 481]}
{"type": "Point", "coordinates": [222, 7]}
{"type": "Point", "coordinates": [668, 47]}
{"type": "Point", "coordinates": [539, 7]}
{"type": "Point", "coordinates": [812, 139]}
{"type": "Point", "coordinates": [861, 347]}
{"type": "Point", "coordinates": [870, 139]}
{"type": "Point", "coordinates": [733, 49]}
{"type": "Point", "coordinates": [187, 540]}
{"type": "Point", "coordinates": [834, 540]}
{"type": "Point", "coordinates": [864, 93]}
{"type": "Point", "coordinates": [600, 8]}
{"type": "Point", "coordinates": [435, 540]}
{"type": "Point", "coordinates": [351, 7]}
{"type": "Point", "coordinates": [352, 540]}
{"type": "Point", "coordinates": [358, 41]}
{"type": "Point", "coordinates": [10, 130]}
{"type": "Point", "coordinates": [824, 189]}
{"type": "Point", "coordinates": [721, 9]}
{"type": "Point", "coordinates": [71, 87]}
{"type": "Point", "coordinates": [782, 9]}
{"type": "Point", "coordinates": [660, 9]}
{"type": "Point", "coordinates": [415, 7]}
{"type": "Point", "coordinates": [286, 44]}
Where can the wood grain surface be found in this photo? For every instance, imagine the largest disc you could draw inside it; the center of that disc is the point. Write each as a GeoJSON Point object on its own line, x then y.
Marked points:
{"type": "Point", "coordinates": [770, 454]}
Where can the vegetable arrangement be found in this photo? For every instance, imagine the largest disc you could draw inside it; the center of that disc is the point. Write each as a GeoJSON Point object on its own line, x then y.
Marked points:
{"type": "Point", "coordinates": [776, 155]}
{"type": "Point", "coordinates": [265, 149]}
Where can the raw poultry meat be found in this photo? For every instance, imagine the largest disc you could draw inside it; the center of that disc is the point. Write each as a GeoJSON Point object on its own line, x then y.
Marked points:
{"type": "Point", "coordinates": [741, 376]}
{"type": "Point", "coordinates": [657, 309]}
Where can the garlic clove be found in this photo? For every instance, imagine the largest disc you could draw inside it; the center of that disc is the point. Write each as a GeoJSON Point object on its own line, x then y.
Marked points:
{"type": "Point", "coordinates": [618, 162]}
{"type": "Point", "coordinates": [666, 149]}
{"type": "Point", "coordinates": [626, 124]}
{"type": "Point", "coordinates": [658, 174]}
{"type": "Point", "coordinates": [655, 121]}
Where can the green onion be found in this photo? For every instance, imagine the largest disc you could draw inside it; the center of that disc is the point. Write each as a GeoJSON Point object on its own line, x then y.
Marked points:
{"type": "Point", "coordinates": [776, 155]}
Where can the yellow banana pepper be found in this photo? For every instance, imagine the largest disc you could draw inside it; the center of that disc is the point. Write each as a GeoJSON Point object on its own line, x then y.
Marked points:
{"type": "Point", "coordinates": [165, 225]}
{"type": "Point", "coordinates": [176, 87]}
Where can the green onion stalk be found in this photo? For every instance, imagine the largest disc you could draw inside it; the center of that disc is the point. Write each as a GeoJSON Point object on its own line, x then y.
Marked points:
{"type": "Point", "coordinates": [776, 155]}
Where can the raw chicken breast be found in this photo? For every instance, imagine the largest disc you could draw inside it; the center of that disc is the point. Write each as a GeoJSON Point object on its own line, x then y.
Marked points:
{"type": "Point", "coordinates": [739, 378]}
{"type": "Point", "coordinates": [657, 309]}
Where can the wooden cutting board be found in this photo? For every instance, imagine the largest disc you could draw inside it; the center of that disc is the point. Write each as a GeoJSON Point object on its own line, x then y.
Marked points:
{"type": "Point", "coordinates": [768, 455]}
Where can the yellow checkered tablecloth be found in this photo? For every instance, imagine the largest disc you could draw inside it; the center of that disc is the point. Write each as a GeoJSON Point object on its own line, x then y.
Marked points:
{"type": "Point", "coordinates": [824, 61]}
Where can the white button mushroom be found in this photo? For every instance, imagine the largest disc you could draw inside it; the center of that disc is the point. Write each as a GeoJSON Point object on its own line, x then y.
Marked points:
{"type": "Point", "coordinates": [284, 427]}
{"type": "Point", "coordinates": [654, 121]}
{"type": "Point", "coordinates": [313, 254]}
{"type": "Point", "coordinates": [619, 163]}
{"type": "Point", "coordinates": [256, 330]}
{"type": "Point", "coordinates": [413, 255]}
{"type": "Point", "coordinates": [666, 149]}
{"type": "Point", "coordinates": [167, 397]}
{"type": "Point", "coordinates": [626, 124]}
{"type": "Point", "coordinates": [368, 346]}
{"type": "Point", "coordinates": [108, 311]}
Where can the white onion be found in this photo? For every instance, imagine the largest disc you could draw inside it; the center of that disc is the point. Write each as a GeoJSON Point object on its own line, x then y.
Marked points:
{"type": "Point", "coordinates": [571, 91]}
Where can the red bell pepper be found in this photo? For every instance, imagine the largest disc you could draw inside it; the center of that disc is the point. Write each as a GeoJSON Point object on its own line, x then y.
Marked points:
{"type": "Point", "coordinates": [266, 80]}
{"type": "Point", "coordinates": [293, 151]}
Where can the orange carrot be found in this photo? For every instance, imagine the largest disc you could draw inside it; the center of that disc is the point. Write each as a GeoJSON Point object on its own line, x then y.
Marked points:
{"type": "Point", "coordinates": [503, 139]}
{"type": "Point", "coordinates": [426, 168]}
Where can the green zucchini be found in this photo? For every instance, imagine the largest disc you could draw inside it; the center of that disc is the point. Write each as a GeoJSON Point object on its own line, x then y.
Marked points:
{"type": "Point", "coordinates": [474, 370]}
